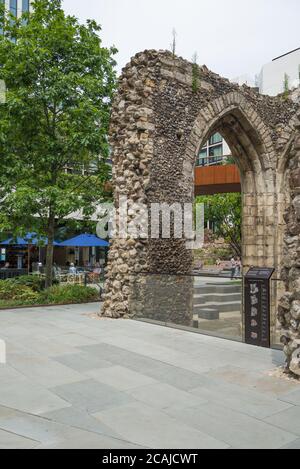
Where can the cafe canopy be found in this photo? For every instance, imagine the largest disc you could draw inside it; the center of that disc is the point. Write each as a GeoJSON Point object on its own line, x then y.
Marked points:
{"type": "Point", "coordinates": [30, 239]}
{"type": "Point", "coordinates": [85, 240]}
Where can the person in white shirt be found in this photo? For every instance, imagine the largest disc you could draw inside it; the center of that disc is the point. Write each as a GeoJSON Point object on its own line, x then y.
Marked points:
{"type": "Point", "coordinates": [72, 269]}
{"type": "Point", "coordinates": [233, 267]}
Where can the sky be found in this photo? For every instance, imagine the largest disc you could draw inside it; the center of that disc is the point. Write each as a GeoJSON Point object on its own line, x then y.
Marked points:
{"type": "Point", "coordinates": [231, 37]}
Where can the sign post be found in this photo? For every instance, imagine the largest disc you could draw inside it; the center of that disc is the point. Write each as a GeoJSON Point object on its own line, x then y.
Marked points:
{"type": "Point", "coordinates": [257, 307]}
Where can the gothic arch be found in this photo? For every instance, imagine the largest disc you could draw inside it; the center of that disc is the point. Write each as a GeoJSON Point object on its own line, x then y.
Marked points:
{"type": "Point", "coordinates": [251, 145]}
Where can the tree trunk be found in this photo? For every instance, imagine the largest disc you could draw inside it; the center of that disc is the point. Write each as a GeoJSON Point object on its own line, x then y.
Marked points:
{"type": "Point", "coordinates": [49, 252]}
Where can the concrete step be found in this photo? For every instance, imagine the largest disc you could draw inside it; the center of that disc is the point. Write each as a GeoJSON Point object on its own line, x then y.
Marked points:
{"type": "Point", "coordinates": [225, 273]}
{"type": "Point", "coordinates": [221, 306]}
{"type": "Point", "coordinates": [222, 289]}
{"type": "Point", "coordinates": [209, 314]}
{"type": "Point", "coordinates": [216, 297]}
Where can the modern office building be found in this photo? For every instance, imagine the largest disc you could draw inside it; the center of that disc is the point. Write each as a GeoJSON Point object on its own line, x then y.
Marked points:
{"type": "Point", "coordinates": [215, 169]}
{"type": "Point", "coordinates": [281, 72]}
{"type": "Point", "coordinates": [214, 151]}
{"type": "Point", "coordinates": [276, 75]}
{"type": "Point", "coordinates": [17, 7]}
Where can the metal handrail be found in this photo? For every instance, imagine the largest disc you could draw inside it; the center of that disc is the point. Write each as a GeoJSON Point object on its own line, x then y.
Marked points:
{"type": "Point", "coordinates": [216, 163]}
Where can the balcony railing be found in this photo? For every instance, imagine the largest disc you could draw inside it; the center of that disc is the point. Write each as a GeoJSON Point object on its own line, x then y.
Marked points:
{"type": "Point", "coordinates": [214, 161]}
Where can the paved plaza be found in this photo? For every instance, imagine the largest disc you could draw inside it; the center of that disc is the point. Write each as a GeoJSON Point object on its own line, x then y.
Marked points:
{"type": "Point", "coordinates": [73, 381]}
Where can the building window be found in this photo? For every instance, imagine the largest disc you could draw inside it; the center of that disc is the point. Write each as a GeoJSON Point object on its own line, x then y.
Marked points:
{"type": "Point", "coordinates": [25, 6]}
{"type": "Point", "coordinates": [13, 7]}
{"type": "Point", "coordinates": [212, 152]}
{"type": "Point", "coordinates": [216, 138]}
{"type": "Point", "coordinates": [2, 2]}
{"type": "Point", "coordinates": [216, 150]}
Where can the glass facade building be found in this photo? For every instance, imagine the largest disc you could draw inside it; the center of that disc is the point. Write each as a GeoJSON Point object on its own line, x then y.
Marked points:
{"type": "Point", "coordinates": [25, 5]}
{"type": "Point", "coordinates": [213, 152]}
{"type": "Point", "coordinates": [16, 7]}
{"type": "Point", "coordinates": [13, 7]}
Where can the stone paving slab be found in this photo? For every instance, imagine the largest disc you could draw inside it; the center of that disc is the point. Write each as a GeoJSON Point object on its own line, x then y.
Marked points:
{"type": "Point", "coordinates": [287, 420]}
{"type": "Point", "coordinates": [24, 395]}
{"type": "Point", "coordinates": [82, 361]}
{"type": "Point", "coordinates": [291, 397]}
{"type": "Point", "coordinates": [13, 441]}
{"type": "Point", "coordinates": [80, 419]}
{"type": "Point", "coordinates": [42, 370]}
{"type": "Point", "coordinates": [163, 396]}
{"type": "Point", "coordinates": [91, 396]}
{"type": "Point", "coordinates": [237, 429]}
{"type": "Point", "coordinates": [86, 440]}
{"type": "Point", "coordinates": [121, 378]}
{"type": "Point", "coordinates": [34, 427]}
{"type": "Point", "coordinates": [239, 398]}
{"type": "Point", "coordinates": [152, 428]}
{"type": "Point", "coordinates": [294, 445]}
{"type": "Point", "coordinates": [261, 382]}
{"type": "Point", "coordinates": [73, 381]}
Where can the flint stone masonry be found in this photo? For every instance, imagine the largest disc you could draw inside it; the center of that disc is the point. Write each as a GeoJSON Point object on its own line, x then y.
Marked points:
{"type": "Point", "coordinates": [163, 113]}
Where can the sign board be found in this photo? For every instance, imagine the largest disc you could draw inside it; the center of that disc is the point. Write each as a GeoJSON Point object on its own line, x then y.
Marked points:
{"type": "Point", "coordinates": [257, 306]}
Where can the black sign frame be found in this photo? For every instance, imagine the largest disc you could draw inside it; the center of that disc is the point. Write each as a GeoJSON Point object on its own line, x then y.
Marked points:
{"type": "Point", "coordinates": [258, 306]}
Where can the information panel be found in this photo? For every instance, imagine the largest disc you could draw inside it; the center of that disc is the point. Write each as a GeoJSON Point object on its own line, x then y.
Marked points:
{"type": "Point", "coordinates": [257, 306]}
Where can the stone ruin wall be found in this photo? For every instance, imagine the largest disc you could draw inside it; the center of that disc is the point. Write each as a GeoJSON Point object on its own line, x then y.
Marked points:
{"type": "Point", "coordinates": [289, 305]}
{"type": "Point", "coordinates": [163, 112]}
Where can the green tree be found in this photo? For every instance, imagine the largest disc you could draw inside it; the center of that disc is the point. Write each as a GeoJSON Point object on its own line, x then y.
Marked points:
{"type": "Point", "coordinates": [225, 211]}
{"type": "Point", "coordinates": [195, 73]}
{"type": "Point", "coordinates": [53, 127]}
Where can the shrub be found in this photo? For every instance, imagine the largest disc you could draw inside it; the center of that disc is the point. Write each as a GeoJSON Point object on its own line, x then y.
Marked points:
{"type": "Point", "coordinates": [68, 294]}
{"type": "Point", "coordinates": [11, 291]}
{"type": "Point", "coordinates": [34, 282]}
{"type": "Point", "coordinates": [18, 292]}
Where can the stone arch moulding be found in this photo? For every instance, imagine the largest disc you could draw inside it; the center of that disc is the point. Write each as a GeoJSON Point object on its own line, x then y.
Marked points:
{"type": "Point", "coordinates": [251, 145]}
{"type": "Point", "coordinates": [163, 111]}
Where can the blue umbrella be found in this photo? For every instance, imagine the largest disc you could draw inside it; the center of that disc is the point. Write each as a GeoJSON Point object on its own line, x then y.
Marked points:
{"type": "Point", "coordinates": [29, 239]}
{"type": "Point", "coordinates": [86, 241]}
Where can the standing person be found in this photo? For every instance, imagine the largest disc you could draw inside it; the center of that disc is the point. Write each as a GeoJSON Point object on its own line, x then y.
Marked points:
{"type": "Point", "coordinates": [238, 270]}
{"type": "Point", "coordinates": [233, 267]}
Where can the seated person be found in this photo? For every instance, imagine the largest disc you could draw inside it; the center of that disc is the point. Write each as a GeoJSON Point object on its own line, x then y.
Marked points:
{"type": "Point", "coordinates": [72, 269]}
{"type": "Point", "coordinates": [97, 269]}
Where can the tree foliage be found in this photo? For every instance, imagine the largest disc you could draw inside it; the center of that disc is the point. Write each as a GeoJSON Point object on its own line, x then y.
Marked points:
{"type": "Point", "coordinates": [225, 211]}
{"type": "Point", "coordinates": [53, 127]}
